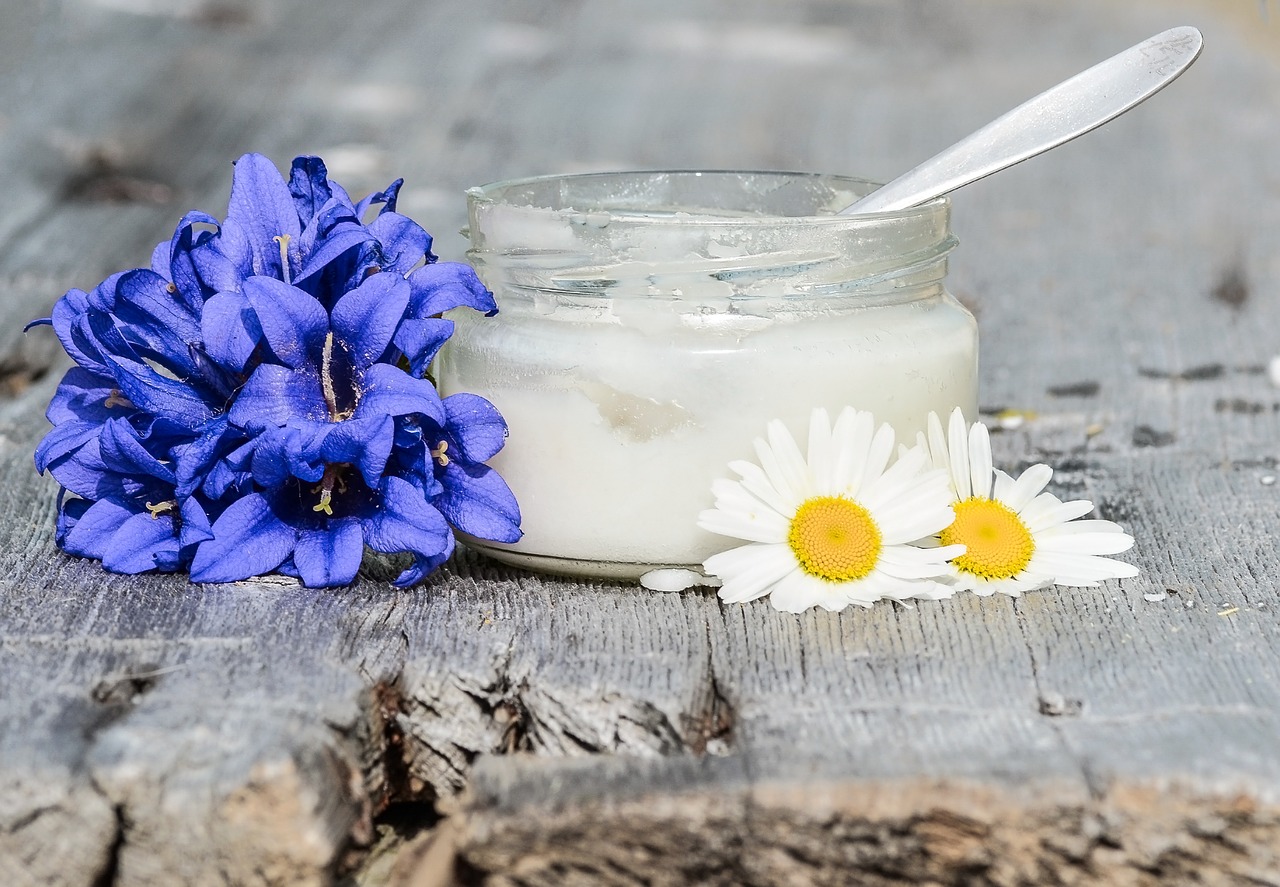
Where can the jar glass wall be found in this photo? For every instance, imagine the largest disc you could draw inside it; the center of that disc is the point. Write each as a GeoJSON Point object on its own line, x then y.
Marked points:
{"type": "Point", "coordinates": [652, 323]}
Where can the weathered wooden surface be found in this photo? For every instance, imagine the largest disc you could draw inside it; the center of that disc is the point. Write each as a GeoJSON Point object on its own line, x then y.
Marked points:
{"type": "Point", "coordinates": [499, 728]}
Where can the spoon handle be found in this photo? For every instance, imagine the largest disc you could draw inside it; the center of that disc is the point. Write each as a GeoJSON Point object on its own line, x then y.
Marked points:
{"type": "Point", "coordinates": [1059, 114]}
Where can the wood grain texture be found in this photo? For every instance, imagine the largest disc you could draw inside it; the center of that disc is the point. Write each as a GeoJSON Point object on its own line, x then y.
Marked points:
{"type": "Point", "coordinates": [502, 728]}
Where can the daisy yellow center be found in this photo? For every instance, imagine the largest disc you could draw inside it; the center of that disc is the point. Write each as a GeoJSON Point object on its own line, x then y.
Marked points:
{"type": "Point", "coordinates": [998, 544]}
{"type": "Point", "coordinates": [834, 539]}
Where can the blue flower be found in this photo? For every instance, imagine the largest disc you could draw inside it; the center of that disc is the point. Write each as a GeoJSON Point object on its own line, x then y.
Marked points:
{"type": "Point", "coordinates": [258, 398]}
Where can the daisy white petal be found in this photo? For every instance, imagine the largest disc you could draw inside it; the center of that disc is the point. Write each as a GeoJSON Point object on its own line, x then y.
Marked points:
{"type": "Point", "coordinates": [1072, 541]}
{"type": "Point", "coordinates": [775, 473]}
{"type": "Point", "coordinates": [937, 443]}
{"type": "Point", "coordinates": [814, 539]}
{"type": "Point", "coordinates": [756, 482]}
{"type": "Point", "coordinates": [796, 592]}
{"type": "Point", "coordinates": [958, 441]}
{"type": "Point", "coordinates": [878, 455]}
{"type": "Point", "coordinates": [1046, 510]}
{"type": "Point", "coordinates": [790, 461]}
{"type": "Point", "coordinates": [906, 562]}
{"type": "Point", "coordinates": [1075, 568]}
{"type": "Point", "coordinates": [979, 459]}
{"type": "Point", "coordinates": [912, 465]}
{"type": "Point", "coordinates": [1028, 485]}
{"type": "Point", "coordinates": [749, 572]}
{"type": "Point", "coordinates": [820, 466]}
{"type": "Point", "coordinates": [851, 439]}
{"type": "Point", "coordinates": [763, 526]}
{"type": "Point", "coordinates": [1003, 484]}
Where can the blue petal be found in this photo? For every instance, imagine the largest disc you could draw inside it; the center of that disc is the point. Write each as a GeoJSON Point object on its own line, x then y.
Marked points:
{"type": "Point", "coordinates": [365, 443]}
{"type": "Point", "coordinates": [263, 208]}
{"type": "Point", "coordinates": [332, 234]}
{"type": "Point", "coordinates": [404, 242]}
{"type": "Point", "coordinates": [69, 513]}
{"type": "Point", "coordinates": [445, 285]}
{"type": "Point", "coordinates": [63, 440]}
{"type": "Point", "coordinates": [160, 257]}
{"type": "Point", "coordinates": [103, 296]}
{"type": "Point", "coordinates": [195, 524]}
{"type": "Point", "coordinates": [274, 395]}
{"type": "Point", "coordinates": [180, 266]}
{"type": "Point", "coordinates": [142, 543]}
{"type": "Point", "coordinates": [390, 391]}
{"type": "Point", "coordinates": [230, 330]}
{"type": "Point", "coordinates": [82, 471]}
{"type": "Point", "coordinates": [67, 319]}
{"type": "Point", "coordinates": [309, 185]}
{"type": "Point", "coordinates": [143, 386]}
{"type": "Point", "coordinates": [406, 522]}
{"type": "Point", "coordinates": [387, 198]}
{"type": "Point", "coordinates": [230, 473]}
{"type": "Point", "coordinates": [248, 540]}
{"type": "Point", "coordinates": [478, 501]}
{"type": "Point", "coordinates": [366, 318]}
{"type": "Point", "coordinates": [192, 460]}
{"type": "Point", "coordinates": [329, 557]}
{"type": "Point", "coordinates": [420, 340]}
{"type": "Point", "coordinates": [94, 529]}
{"type": "Point", "coordinates": [475, 425]}
{"type": "Point", "coordinates": [83, 394]}
{"type": "Point", "coordinates": [147, 307]}
{"type": "Point", "coordinates": [294, 451]}
{"type": "Point", "coordinates": [423, 567]}
{"type": "Point", "coordinates": [224, 261]}
{"type": "Point", "coordinates": [121, 450]}
{"type": "Point", "coordinates": [293, 322]}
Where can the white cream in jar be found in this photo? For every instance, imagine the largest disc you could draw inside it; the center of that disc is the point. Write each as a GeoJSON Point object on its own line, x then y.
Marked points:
{"type": "Point", "coordinates": [651, 324]}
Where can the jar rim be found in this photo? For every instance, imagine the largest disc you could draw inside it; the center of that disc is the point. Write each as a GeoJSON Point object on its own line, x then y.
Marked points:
{"type": "Point", "coordinates": [509, 193]}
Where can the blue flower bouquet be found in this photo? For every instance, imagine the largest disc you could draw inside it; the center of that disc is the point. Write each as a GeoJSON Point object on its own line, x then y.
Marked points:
{"type": "Point", "coordinates": [258, 399]}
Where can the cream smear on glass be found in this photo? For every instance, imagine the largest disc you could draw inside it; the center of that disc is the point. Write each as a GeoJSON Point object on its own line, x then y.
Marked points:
{"type": "Point", "coordinates": [651, 324]}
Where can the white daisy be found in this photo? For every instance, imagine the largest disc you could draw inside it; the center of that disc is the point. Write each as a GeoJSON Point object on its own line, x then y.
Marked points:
{"type": "Point", "coordinates": [833, 529]}
{"type": "Point", "coordinates": [1016, 536]}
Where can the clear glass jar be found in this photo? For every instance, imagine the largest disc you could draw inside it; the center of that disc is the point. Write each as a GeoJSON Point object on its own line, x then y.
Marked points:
{"type": "Point", "coordinates": [652, 323]}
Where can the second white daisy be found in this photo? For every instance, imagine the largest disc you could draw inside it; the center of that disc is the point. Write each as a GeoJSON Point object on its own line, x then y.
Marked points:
{"type": "Point", "coordinates": [1016, 537]}
{"type": "Point", "coordinates": [833, 529]}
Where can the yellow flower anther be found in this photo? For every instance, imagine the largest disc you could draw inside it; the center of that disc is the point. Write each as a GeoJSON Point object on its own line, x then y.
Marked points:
{"type": "Point", "coordinates": [439, 453]}
{"type": "Point", "coordinates": [835, 539]}
{"type": "Point", "coordinates": [157, 510]}
{"type": "Point", "coordinates": [998, 544]}
{"type": "Point", "coordinates": [117, 399]}
{"type": "Point", "coordinates": [331, 478]}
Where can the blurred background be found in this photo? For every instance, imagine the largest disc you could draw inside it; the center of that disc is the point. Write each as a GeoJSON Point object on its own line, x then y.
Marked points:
{"type": "Point", "coordinates": [116, 116]}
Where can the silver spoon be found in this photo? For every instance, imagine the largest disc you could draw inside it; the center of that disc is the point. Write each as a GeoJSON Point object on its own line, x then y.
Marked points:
{"type": "Point", "coordinates": [1065, 111]}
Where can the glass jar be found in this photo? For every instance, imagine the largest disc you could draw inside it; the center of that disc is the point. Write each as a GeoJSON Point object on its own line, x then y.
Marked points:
{"type": "Point", "coordinates": [652, 323]}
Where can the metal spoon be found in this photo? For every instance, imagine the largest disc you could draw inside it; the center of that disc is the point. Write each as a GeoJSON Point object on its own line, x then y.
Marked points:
{"type": "Point", "coordinates": [1070, 109]}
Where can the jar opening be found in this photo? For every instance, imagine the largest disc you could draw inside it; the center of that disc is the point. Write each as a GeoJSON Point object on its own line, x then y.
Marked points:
{"type": "Point", "coordinates": [692, 196]}
{"type": "Point", "coordinates": [704, 238]}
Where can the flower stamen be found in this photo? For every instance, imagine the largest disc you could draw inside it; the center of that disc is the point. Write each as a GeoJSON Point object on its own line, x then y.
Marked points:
{"type": "Point", "coordinates": [438, 453]}
{"type": "Point", "coordinates": [332, 478]}
{"type": "Point", "coordinates": [998, 543]}
{"type": "Point", "coordinates": [835, 539]}
{"type": "Point", "coordinates": [161, 508]}
{"type": "Point", "coordinates": [117, 399]}
{"type": "Point", "coordinates": [283, 240]}
{"type": "Point", "coordinates": [326, 379]}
